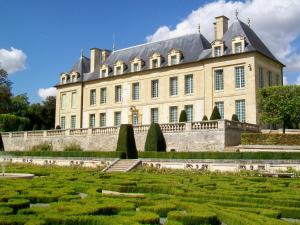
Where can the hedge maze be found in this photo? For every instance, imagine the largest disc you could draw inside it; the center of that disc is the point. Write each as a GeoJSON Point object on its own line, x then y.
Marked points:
{"type": "Point", "coordinates": [66, 195]}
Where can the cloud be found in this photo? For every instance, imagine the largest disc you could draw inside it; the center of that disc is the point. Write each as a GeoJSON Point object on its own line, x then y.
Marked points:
{"type": "Point", "coordinates": [276, 22]}
{"type": "Point", "coordinates": [285, 80]}
{"type": "Point", "coordinates": [298, 80]}
{"type": "Point", "coordinates": [12, 60]}
{"type": "Point", "coordinates": [46, 92]}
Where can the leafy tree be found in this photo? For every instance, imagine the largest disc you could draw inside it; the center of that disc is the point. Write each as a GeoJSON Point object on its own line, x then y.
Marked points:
{"type": "Point", "coordinates": [126, 142]}
{"type": "Point", "coordinates": [280, 105]}
{"type": "Point", "coordinates": [48, 112]}
{"type": "Point", "coordinates": [5, 92]}
{"type": "Point", "coordinates": [234, 118]}
{"type": "Point", "coordinates": [183, 116]}
{"type": "Point", "coordinates": [19, 105]}
{"type": "Point", "coordinates": [215, 115]}
{"type": "Point", "coordinates": [204, 118]}
{"type": "Point", "coordinates": [155, 140]}
{"type": "Point", "coordinates": [10, 122]}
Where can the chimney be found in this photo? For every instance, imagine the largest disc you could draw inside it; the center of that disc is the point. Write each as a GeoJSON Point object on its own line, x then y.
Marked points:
{"type": "Point", "coordinates": [221, 26]}
{"type": "Point", "coordinates": [95, 59]}
{"type": "Point", "coordinates": [104, 55]}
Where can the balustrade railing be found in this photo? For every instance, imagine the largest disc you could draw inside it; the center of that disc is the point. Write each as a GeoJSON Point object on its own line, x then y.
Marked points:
{"type": "Point", "coordinates": [105, 130]}
{"type": "Point", "coordinates": [205, 125]}
{"type": "Point", "coordinates": [56, 132]}
{"type": "Point", "coordinates": [172, 127]}
{"type": "Point", "coordinates": [141, 128]}
{"type": "Point", "coordinates": [82, 131]}
{"type": "Point", "coordinates": [35, 133]}
{"type": "Point", "coordinates": [17, 134]}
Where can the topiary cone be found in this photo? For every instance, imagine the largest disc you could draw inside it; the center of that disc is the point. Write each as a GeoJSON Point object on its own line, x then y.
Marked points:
{"type": "Point", "coordinates": [183, 116]}
{"type": "Point", "coordinates": [126, 142]}
{"type": "Point", "coordinates": [155, 140]}
{"type": "Point", "coordinates": [1, 143]}
{"type": "Point", "coordinates": [204, 118]}
{"type": "Point", "coordinates": [215, 115]}
{"type": "Point", "coordinates": [235, 118]}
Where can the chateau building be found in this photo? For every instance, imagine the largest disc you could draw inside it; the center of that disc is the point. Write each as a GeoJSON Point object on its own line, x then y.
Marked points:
{"type": "Point", "coordinates": [153, 82]}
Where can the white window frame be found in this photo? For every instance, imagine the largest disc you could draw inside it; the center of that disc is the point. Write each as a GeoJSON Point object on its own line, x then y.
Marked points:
{"type": "Point", "coordinates": [63, 122]}
{"type": "Point", "coordinates": [102, 119]}
{"type": "Point", "coordinates": [92, 120]}
{"type": "Point", "coordinates": [189, 84]}
{"type": "Point", "coordinates": [261, 77]}
{"type": "Point", "coordinates": [173, 86]}
{"type": "Point", "coordinates": [173, 114]}
{"type": "Point", "coordinates": [73, 100]}
{"type": "Point", "coordinates": [220, 105]}
{"type": "Point", "coordinates": [239, 72]}
{"type": "Point", "coordinates": [189, 109]}
{"type": "Point", "coordinates": [219, 80]}
{"type": "Point", "coordinates": [103, 95]}
{"type": "Point", "coordinates": [155, 88]}
{"type": "Point", "coordinates": [118, 93]}
{"type": "Point", "coordinates": [154, 115]}
{"type": "Point", "coordinates": [236, 48]}
{"type": "Point", "coordinates": [63, 101]}
{"type": "Point", "coordinates": [117, 118]}
{"type": "Point", "coordinates": [93, 95]}
{"type": "Point", "coordinates": [135, 91]}
{"type": "Point", "coordinates": [73, 122]}
{"type": "Point", "coordinates": [240, 109]}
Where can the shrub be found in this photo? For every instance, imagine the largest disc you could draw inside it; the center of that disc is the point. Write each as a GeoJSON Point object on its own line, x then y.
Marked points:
{"type": "Point", "coordinates": [10, 122]}
{"type": "Point", "coordinates": [183, 116]}
{"type": "Point", "coordinates": [204, 118]}
{"type": "Point", "coordinates": [155, 140]}
{"type": "Point", "coordinates": [17, 204]}
{"type": "Point", "coordinates": [44, 147]}
{"type": "Point", "coordinates": [215, 115]}
{"type": "Point", "coordinates": [270, 139]}
{"type": "Point", "coordinates": [194, 218]}
{"type": "Point", "coordinates": [72, 147]}
{"type": "Point", "coordinates": [57, 127]}
{"type": "Point", "coordinates": [234, 118]}
{"type": "Point", "coordinates": [126, 141]}
{"type": "Point", "coordinates": [6, 210]}
{"type": "Point", "coordinates": [1, 143]}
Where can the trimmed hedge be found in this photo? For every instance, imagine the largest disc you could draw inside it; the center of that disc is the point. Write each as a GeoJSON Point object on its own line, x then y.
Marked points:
{"type": "Point", "coordinates": [270, 139]}
{"type": "Point", "coordinates": [155, 140]}
{"type": "Point", "coordinates": [126, 142]}
{"type": "Point", "coordinates": [1, 143]}
{"type": "Point", "coordinates": [215, 115]}
{"type": "Point", "coordinates": [235, 118]}
{"type": "Point", "coordinates": [204, 118]}
{"type": "Point", "coordinates": [194, 218]}
{"type": "Point", "coordinates": [183, 116]}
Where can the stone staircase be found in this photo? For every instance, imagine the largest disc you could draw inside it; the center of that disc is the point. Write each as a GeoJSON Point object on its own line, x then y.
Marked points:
{"type": "Point", "coordinates": [122, 165]}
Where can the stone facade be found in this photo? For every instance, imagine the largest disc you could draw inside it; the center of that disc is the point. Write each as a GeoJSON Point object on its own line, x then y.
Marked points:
{"type": "Point", "coordinates": [195, 136]}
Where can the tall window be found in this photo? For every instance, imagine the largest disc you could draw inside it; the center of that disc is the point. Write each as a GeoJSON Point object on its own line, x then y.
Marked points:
{"type": "Point", "coordinates": [93, 97]}
{"type": "Point", "coordinates": [118, 70]}
{"type": "Point", "coordinates": [270, 78]}
{"type": "Point", "coordinates": [135, 119]}
{"type": "Point", "coordinates": [154, 115]}
{"type": "Point", "coordinates": [73, 100]}
{"type": "Point", "coordinates": [92, 120]}
{"type": "Point", "coordinates": [102, 119]}
{"type": "Point", "coordinates": [240, 110]}
{"type": "Point", "coordinates": [154, 88]}
{"type": "Point", "coordinates": [173, 114]}
{"type": "Point", "coordinates": [117, 118]}
{"type": "Point", "coordinates": [135, 91]}
{"type": "Point", "coordinates": [261, 77]}
{"type": "Point", "coordinates": [173, 60]}
{"type": "Point", "coordinates": [239, 77]}
{"type": "Point", "coordinates": [154, 63]}
{"type": "Point", "coordinates": [63, 101]}
{"type": "Point", "coordinates": [173, 86]}
{"type": "Point", "coordinates": [217, 51]}
{"type": "Point", "coordinates": [118, 93]}
{"type": "Point", "coordinates": [63, 122]}
{"type": "Point", "coordinates": [73, 122]}
{"type": "Point", "coordinates": [238, 47]}
{"type": "Point", "coordinates": [220, 106]}
{"type": "Point", "coordinates": [104, 72]}
{"type": "Point", "coordinates": [219, 80]}
{"type": "Point", "coordinates": [103, 95]}
{"type": "Point", "coordinates": [188, 84]}
{"type": "Point", "coordinates": [63, 80]}
{"type": "Point", "coordinates": [189, 112]}
{"type": "Point", "coordinates": [136, 67]}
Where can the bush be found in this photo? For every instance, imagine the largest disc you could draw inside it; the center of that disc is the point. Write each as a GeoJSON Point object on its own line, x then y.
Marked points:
{"type": "Point", "coordinates": [126, 141]}
{"type": "Point", "coordinates": [72, 147]}
{"type": "Point", "coordinates": [155, 140]}
{"type": "Point", "coordinates": [1, 143]}
{"type": "Point", "coordinates": [44, 147]}
{"type": "Point", "coordinates": [183, 116]}
{"type": "Point", "coordinates": [6, 210]}
{"type": "Point", "coordinates": [234, 118]}
{"type": "Point", "coordinates": [17, 204]}
{"type": "Point", "coordinates": [204, 118]}
{"type": "Point", "coordinates": [194, 218]}
{"type": "Point", "coordinates": [215, 115]}
{"type": "Point", "coordinates": [10, 122]}
{"type": "Point", "coordinates": [270, 139]}
{"type": "Point", "coordinates": [57, 127]}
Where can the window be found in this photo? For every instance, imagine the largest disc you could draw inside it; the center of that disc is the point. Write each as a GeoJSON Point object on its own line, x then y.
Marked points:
{"type": "Point", "coordinates": [219, 80]}
{"type": "Point", "coordinates": [173, 60]}
{"type": "Point", "coordinates": [135, 91]}
{"type": "Point", "coordinates": [220, 106]}
{"type": "Point", "coordinates": [136, 67]}
{"type": "Point", "coordinates": [270, 78]}
{"type": "Point", "coordinates": [240, 110]}
{"type": "Point", "coordinates": [103, 95]}
{"type": "Point", "coordinates": [63, 101]}
{"type": "Point", "coordinates": [135, 119]}
{"type": "Point", "coordinates": [154, 115]}
{"type": "Point", "coordinates": [188, 84]}
{"type": "Point", "coordinates": [63, 80]}
{"type": "Point", "coordinates": [173, 86]}
{"type": "Point", "coordinates": [92, 121]}
{"type": "Point", "coordinates": [104, 72]}
{"type": "Point", "coordinates": [63, 122]}
{"type": "Point", "coordinates": [217, 51]}
{"type": "Point", "coordinates": [117, 118]}
{"type": "Point", "coordinates": [238, 47]}
{"type": "Point", "coordinates": [73, 100]}
{"type": "Point", "coordinates": [118, 70]}
{"type": "Point", "coordinates": [261, 77]}
{"type": "Point", "coordinates": [93, 97]}
{"type": "Point", "coordinates": [154, 88]}
{"type": "Point", "coordinates": [278, 79]}
{"type": "Point", "coordinates": [73, 122]}
{"type": "Point", "coordinates": [118, 93]}
{"type": "Point", "coordinates": [102, 119]}
{"type": "Point", "coordinates": [239, 77]}
{"type": "Point", "coordinates": [189, 112]}
{"type": "Point", "coordinates": [154, 63]}
{"type": "Point", "coordinates": [173, 114]}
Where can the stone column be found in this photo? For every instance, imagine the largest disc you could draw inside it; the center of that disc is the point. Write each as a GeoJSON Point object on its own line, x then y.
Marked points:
{"type": "Point", "coordinates": [188, 126]}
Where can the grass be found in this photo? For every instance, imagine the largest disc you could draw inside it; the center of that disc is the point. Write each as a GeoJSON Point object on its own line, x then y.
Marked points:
{"type": "Point", "coordinates": [184, 197]}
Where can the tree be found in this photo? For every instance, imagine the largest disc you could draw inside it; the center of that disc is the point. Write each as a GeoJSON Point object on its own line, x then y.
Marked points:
{"type": "Point", "coordinates": [235, 118]}
{"type": "Point", "coordinates": [5, 92]}
{"type": "Point", "coordinates": [215, 115]}
{"type": "Point", "coordinates": [183, 116]}
{"type": "Point", "coordinates": [155, 140]}
{"type": "Point", "coordinates": [19, 105]}
{"type": "Point", "coordinates": [280, 105]}
{"type": "Point", "coordinates": [126, 142]}
{"type": "Point", "coordinates": [204, 118]}
{"type": "Point", "coordinates": [48, 112]}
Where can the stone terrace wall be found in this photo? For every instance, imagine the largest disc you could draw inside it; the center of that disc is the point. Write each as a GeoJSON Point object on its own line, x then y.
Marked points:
{"type": "Point", "coordinates": [195, 136]}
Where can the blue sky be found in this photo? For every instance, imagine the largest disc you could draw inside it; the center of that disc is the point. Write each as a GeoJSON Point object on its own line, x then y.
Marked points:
{"type": "Point", "coordinates": [51, 33]}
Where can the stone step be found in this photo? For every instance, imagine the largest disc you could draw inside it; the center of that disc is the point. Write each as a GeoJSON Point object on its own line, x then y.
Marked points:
{"type": "Point", "coordinates": [122, 165]}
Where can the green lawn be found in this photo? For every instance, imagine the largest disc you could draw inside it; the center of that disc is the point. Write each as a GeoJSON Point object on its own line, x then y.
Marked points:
{"type": "Point", "coordinates": [183, 197]}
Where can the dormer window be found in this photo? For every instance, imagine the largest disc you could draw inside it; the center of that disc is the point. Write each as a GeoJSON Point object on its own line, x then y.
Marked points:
{"type": "Point", "coordinates": [136, 67]}
{"type": "Point", "coordinates": [217, 48]}
{"type": "Point", "coordinates": [73, 78]}
{"type": "Point", "coordinates": [136, 64]}
{"type": "Point", "coordinates": [154, 63]}
{"type": "Point", "coordinates": [238, 47]}
{"type": "Point", "coordinates": [155, 60]}
{"type": "Point", "coordinates": [238, 44]}
{"type": "Point", "coordinates": [119, 68]}
{"type": "Point", "coordinates": [104, 70]}
{"type": "Point", "coordinates": [174, 57]}
{"type": "Point", "coordinates": [173, 60]}
{"type": "Point", "coordinates": [217, 51]}
{"type": "Point", "coordinates": [63, 80]}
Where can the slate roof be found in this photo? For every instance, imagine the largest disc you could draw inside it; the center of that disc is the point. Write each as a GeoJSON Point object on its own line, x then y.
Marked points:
{"type": "Point", "coordinates": [194, 47]}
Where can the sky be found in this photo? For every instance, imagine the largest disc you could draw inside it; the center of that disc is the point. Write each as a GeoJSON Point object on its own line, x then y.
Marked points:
{"type": "Point", "coordinates": [39, 39]}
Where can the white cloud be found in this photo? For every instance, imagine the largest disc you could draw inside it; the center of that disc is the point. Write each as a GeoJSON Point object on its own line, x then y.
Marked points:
{"type": "Point", "coordinates": [285, 80]}
{"type": "Point", "coordinates": [298, 80]}
{"type": "Point", "coordinates": [12, 60]}
{"type": "Point", "coordinates": [46, 92]}
{"type": "Point", "coordinates": [276, 22]}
